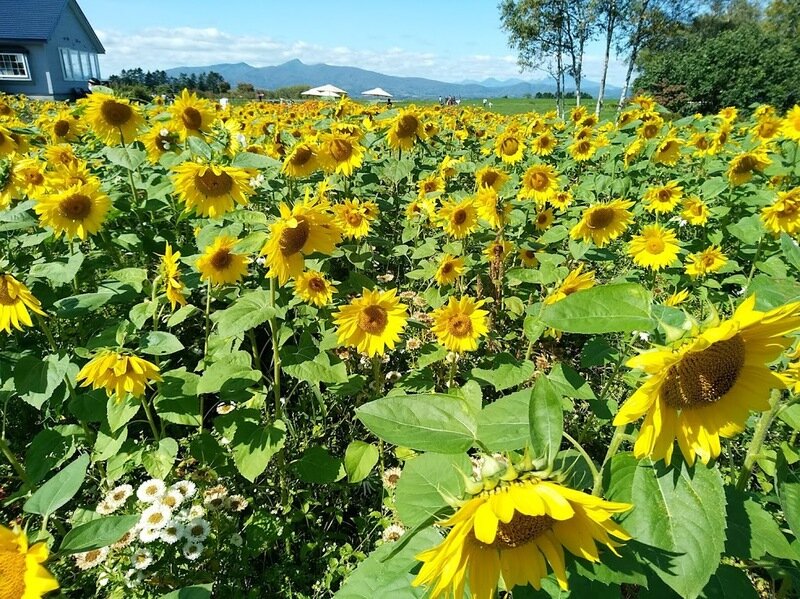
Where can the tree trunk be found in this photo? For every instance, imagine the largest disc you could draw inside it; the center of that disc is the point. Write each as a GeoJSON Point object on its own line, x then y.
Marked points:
{"type": "Point", "coordinates": [602, 91]}
{"type": "Point", "coordinates": [629, 74]}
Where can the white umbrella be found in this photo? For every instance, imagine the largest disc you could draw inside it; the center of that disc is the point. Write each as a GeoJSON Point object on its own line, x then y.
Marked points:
{"type": "Point", "coordinates": [330, 88]}
{"type": "Point", "coordinates": [378, 92]}
{"type": "Point", "coordinates": [319, 93]}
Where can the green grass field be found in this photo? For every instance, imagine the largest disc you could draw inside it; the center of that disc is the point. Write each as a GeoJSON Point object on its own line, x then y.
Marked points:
{"type": "Point", "coordinates": [520, 105]}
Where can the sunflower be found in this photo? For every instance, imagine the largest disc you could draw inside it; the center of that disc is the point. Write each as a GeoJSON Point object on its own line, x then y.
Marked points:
{"type": "Point", "coordinates": [211, 189]}
{"type": "Point", "coordinates": [59, 155]}
{"type": "Point", "coordinates": [301, 161]}
{"type": "Point", "coordinates": [514, 530]}
{"type": "Point", "coordinates": [488, 176]}
{"type": "Point", "coordinates": [539, 183]}
{"type": "Point", "coordinates": [677, 298]}
{"type": "Point", "coordinates": [314, 288]}
{"type": "Point", "coordinates": [632, 152]}
{"type": "Point", "coordinates": [490, 209]}
{"type": "Point", "coordinates": [7, 143]}
{"type": "Point", "coordinates": [509, 147]}
{"type": "Point", "coordinates": [528, 258]}
{"type": "Point", "coordinates": [651, 127]}
{"type": "Point", "coordinates": [576, 280]}
{"type": "Point", "coordinates": [449, 269]}
{"type": "Point", "coordinates": [70, 174]}
{"type": "Point", "coordinates": [119, 374]}
{"type": "Point", "coordinates": [702, 263]}
{"type": "Point", "coordinates": [743, 165]}
{"type": "Point", "coordinates": [159, 140]}
{"type": "Point", "coordinates": [219, 264]}
{"type": "Point", "coordinates": [719, 140]}
{"type": "Point", "coordinates": [706, 388]}
{"type": "Point", "coordinates": [668, 151]}
{"type": "Point", "coordinates": [371, 323]}
{"type": "Point", "coordinates": [447, 168]}
{"type": "Point", "coordinates": [544, 219]}
{"type": "Point", "coordinates": [791, 123]}
{"type": "Point", "coordinates": [352, 218]}
{"type": "Point", "coordinates": [340, 154]}
{"type": "Point", "coordinates": [191, 115]}
{"type": "Point", "coordinates": [784, 213]}
{"type": "Point", "coordinates": [22, 575]}
{"type": "Point", "coordinates": [15, 301]}
{"type": "Point", "coordinates": [767, 127]}
{"type": "Point", "coordinates": [582, 149]}
{"type": "Point", "coordinates": [728, 114]}
{"type": "Point", "coordinates": [702, 143]}
{"type": "Point", "coordinates": [171, 273]}
{"type": "Point", "coordinates": [460, 324]}
{"type": "Point", "coordinates": [405, 130]}
{"type": "Point", "coordinates": [306, 228]}
{"type": "Point", "coordinates": [663, 198]}
{"type": "Point", "coordinates": [695, 211]}
{"type": "Point", "coordinates": [561, 199]}
{"type": "Point", "coordinates": [77, 211]}
{"type": "Point", "coordinates": [113, 120]}
{"type": "Point", "coordinates": [431, 184]}
{"type": "Point", "coordinates": [543, 144]}
{"type": "Point", "coordinates": [655, 248]}
{"type": "Point", "coordinates": [62, 127]}
{"type": "Point", "coordinates": [458, 219]}
{"type": "Point", "coordinates": [603, 222]}
{"type": "Point", "coordinates": [29, 177]}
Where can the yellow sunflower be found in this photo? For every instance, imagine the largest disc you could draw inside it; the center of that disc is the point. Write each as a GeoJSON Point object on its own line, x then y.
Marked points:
{"type": "Point", "coordinates": [561, 200]}
{"type": "Point", "coordinates": [515, 530]}
{"type": "Point", "coordinates": [509, 147]}
{"type": "Point", "coordinates": [655, 248]}
{"type": "Point", "coordinates": [171, 274]}
{"type": "Point", "coordinates": [603, 222]}
{"type": "Point", "coordinates": [22, 575]}
{"type": "Point", "coordinates": [191, 115]}
{"type": "Point", "coordinates": [743, 165]}
{"type": "Point", "coordinates": [677, 298]}
{"type": "Point", "coordinates": [539, 183]}
{"type": "Point", "coordinates": [159, 140]}
{"type": "Point", "coordinates": [783, 216]}
{"type": "Point", "coordinates": [528, 258]}
{"type": "Point", "coordinates": [404, 130]}
{"type": "Point", "coordinates": [113, 120]}
{"type": "Point", "coordinates": [447, 168]}
{"type": "Point", "coordinates": [211, 189]}
{"type": "Point", "coordinates": [314, 288]}
{"type": "Point", "coordinates": [498, 250]}
{"type": "Point", "coordinates": [62, 127]}
{"type": "Point", "coordinates": [458, 219]}
{"type": "Point", "coordinates": [489, 176]}
{"type": "Point", "coordinates": [791, 123]}
{"type": "Point", "coordinates": [431, 184]}
{"type": "Point", "coordinates": [7, 143]}
{"type": "Point", "coordinates": [15, 301]}
{"type": "Point", "coordinates": [576, 280]}
{"type": "Point", "coordinates": [695, 211]}
{"type": "Point", "coordinates": [449, 269]}
{"type": "Point", "coordinates": [306, 228]}
{"type": "Point", "coordinates": [663, 198]}
{"type": "Point", "coordinates": [29, 177]}
{"type": "Point", "coordinates": [119, 374]}
{"type": "Point", "coordinates": [352, 218]}
{"type": "Point", "coordinates": [543, 144]}
{"type": "Point", "coordinates": [767, 127]}
{"type": "Point", "coordinates": [582, 149]}
{"type": "Point", "coordinates": [490, 209]}
{"type": "Point", "coordinates": [220, 265]}
{"type": "Point", "coordinates": [702, 143]}
{"type": "Point", "coordinates": [77, 211]}
{"type": "Point", "coordinates": [544, 219]}
{"type": "Point", "coordinates": [301, 161]}
{"type": "Point", "coordinates": [729, 113]}
{"type": "Point", "coordinates": [702, 263]}
{"type": "Point", "coordinates": [669, 150]}
{"type": "Point", "coordinates": [459, 324]}
{"type": "Point", "coordinates": [340, 154]}
{"type": "Point", "coordinates": [706, 388]}
{"type": "Point", "coordinates": [371, 323]}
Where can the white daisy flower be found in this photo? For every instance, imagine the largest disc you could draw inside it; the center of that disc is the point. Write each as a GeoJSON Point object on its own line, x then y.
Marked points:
{"type": "Point", "coordinates": [151, 490]}
{"type": "Point", "coordinates": [141, 559]}
{"type": "Point", "coordinates": [157, 516]}
{"type": "Point", "coordinates": [148, 535]}
{"type": "Point", "coordinates": [214, 498]}
{"type": "Point", "coordinates": [392, 533]}
{"type": "Point", "coordinates": [391, 476]}
{"type": "Point", "coordinates": [185, 487]}
{"type": "Point", "coordinates": [197, 530]}
{"type": "Point", "coordinates": [192, 550]}
{"type": "Point", "coordinates": [105, 508]}
{"type": "Point", "coordinates": [90, 559]}
{"type": "Point", "coordinates": [172, 498]}
{"type": "Point", "coordinates": [125, 540]}
{"type": "Point", "coordinates": [117, 496]}
{"type": "Point", "coordinates": [236, 503]}
{"type": "Point", "coordinates": [196, 511]}
{"type": "Point", "coordinates": [171, 533]}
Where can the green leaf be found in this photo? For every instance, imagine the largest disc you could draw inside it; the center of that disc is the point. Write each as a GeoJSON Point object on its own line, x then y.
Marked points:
{"type": "Point", "coordinates": [317, 465]}
{"type": "Point", "coordinates": [96, 534]}
{"type": "Point", "coordinates": [48, 450]}
{"type": "Point", "coordinates": [729, 582]}
{"type": "Point", "coordinates": [427, 482]}
{"type": "Point", "coordinates": [430, 353]}
{"type": "Point", "coordinates": [197, 591]}
{"type": "Point", "coordinates": [57, 272]}
{"type": "Point", "coordinates": [119, 413]}
{"type": "Point", "coordinates": [787, 483]}
{"type": "Point", "coordinates": [231, 373]}
{"type": "Point", "coordinates": [177, 400]}
{"type": "Point", "coordinates": [678, 511]}
{"type": "Point", "coordinates": [36, 379]}
{"type": "Point", "coordinates": [546, 420]}
{"type": "Point", "coordinates": [252, 443]}
{"type": "Point", "coordinates": [252, 161]}
{"type": "Point", "coordinates": [107, 443]}
{"type": "Point", "coordinates": [428, 422]}
{"type": "Point", "coordinates": [504, 425]}
{"type": "Point", "coordinates": [359, 459]}
{"type": "Point", "coordinates": [158, 462]}
{"type": "Point", "coordinates": [58, 490]}
{"type": "Point", "coordinates": [623, 307]}
{"type": "Point", "coordinates": [200, 148]}
{"type": "Point", "coordinates": [126, 157]}
{"type": "Point", "coordinates": [790, 250]}
{"type": "Point", "coordinates": [181, 314]}
{"type": "Point", "coordinates": [533, 328]}
{"type": "Point", "coordinates": [569, 382]}
{"type": "Point", "coordinates": [159, 343]}
{"type": "Point", "coordinates": [397, 170]}
{"type": "Point", "coordinates": [748, 230]}
{"type": "Point", "coordinates": [250, 310]}
{"type": "Point", "coordinates": [306, 362]}
{"type": "Point", "coordinates": [505, 371]}
{"type": "Point", "coordinates": [752, 531]}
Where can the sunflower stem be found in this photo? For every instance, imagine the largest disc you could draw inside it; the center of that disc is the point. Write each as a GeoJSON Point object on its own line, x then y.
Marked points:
{"type": "Point", "coordinates": [613, 446]}
{"type": "Point", "coordinates": [755, 260]}
{"type": "Point", "coordinates": [754, 450]}
{"type": "Point", "coordinates": [596, 477]}
{"type": "Point", "coordinates": [149, 413]}
{"type": "Point", "coordinates": [12, 459]}
{"type": "Point", "coordinates": [205, 345]}
{"type": "Point", "coordinates": [276, 356]}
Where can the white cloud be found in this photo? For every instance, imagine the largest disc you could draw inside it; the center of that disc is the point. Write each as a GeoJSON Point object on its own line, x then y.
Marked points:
{"type": "Point", "coordinates": [163, 48]}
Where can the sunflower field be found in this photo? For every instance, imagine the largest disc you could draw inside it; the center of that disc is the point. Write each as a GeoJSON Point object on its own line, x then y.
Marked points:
{"type": "Point", "coordinates": [338, 350]}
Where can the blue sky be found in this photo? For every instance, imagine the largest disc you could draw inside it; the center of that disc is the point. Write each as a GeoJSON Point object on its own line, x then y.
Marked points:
{"type": "Point", "coordinates": [447, 40]}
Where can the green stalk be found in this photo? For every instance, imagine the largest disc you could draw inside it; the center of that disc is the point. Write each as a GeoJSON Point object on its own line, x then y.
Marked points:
{"type": "Point", "coordinates": [616, 441]}
{"type": "Point", "coordinates": [12, 459]}
{"type": "Point", "coordinates": [148, 412]}
{"type": "Point", "coordinates": [276, 356]}
{"type": "Point", "coordinates": [596, 476]}
{"type": "Point", "coordinates": [754, 450]}
{"type": "Point", "coordinates": [205, 346]}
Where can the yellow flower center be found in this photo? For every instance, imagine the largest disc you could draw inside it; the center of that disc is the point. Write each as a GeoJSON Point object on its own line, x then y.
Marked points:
{"type": "Point", "coordinates": [702, 143]}
{"type": "Point", "coordinates": [498, 250]}
{"type": "Point", "coordinates": [407, 126]}
{"type": "Point", "coordinates": [354, 218]}
{"type": "Point", "coordinates": [115, 113]}
{"type": "Point", "coordinates": [708, 260]}
{"type": "Point", "coordinates": [75, 207]}
{"type": "Point", "coordinates": [12, 575]}
{"type": "Point", "coordinates": [542, 218]}
{"type": "Point", "coordinates": [213, 185]}
{"type": "Point", "coordinates": [702, 378]}
{"type": "Point", "coordinates": [584, 147]}
{"type": "Point", "coordinates": [91, 556]}
{"type": "Point", "coordinates": [316, 284]}
{"type": "Point", "coordinates": [192, 119]}
{"type": "Point", "coordinates": [155, 519]}
{"type": "Point", "coordinates": [34, 177]}
{"type": "Point", "coordinates": [341, 150]}
{"type": "Point", "coordinates": [521, 530]}
{"type": "Point", "coordinates": [60, 128]}
{"type": "Point", "coordinates": [600, 218]}
{"type": "Point", "coordinates": [293, 239]}
{"type": "Point", "coordinates": [460, 325]}
{"type": "Point", "coordinates": [429, 186]}
{"type": "Point", "coordinates": [509, 146]}
{"type": "Point", "coordinates": [301, 156]}
{"type": "Point", "coordinates": [459, 216]}
{"type": "Point", "coordinates": [221, 259]}
{"type": "Point", "coordinates": [539, 181]}
{"type": "Point", "coordinates": [373, 320]}
{"type": "Point", "coordinates": [655, 245]}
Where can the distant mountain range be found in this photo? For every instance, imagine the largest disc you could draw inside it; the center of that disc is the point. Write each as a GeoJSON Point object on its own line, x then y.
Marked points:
{"type": "Point", "coordinates": [355, 81]}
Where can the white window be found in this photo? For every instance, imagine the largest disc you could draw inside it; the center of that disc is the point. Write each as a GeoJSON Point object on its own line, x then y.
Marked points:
{"type": "Point", "coordinates": [14, 65]}
{"type": "Point", "coordinates": [78, 65]}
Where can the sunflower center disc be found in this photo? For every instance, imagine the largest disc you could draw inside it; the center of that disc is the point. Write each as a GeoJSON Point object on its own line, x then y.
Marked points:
{"type": "Point", "coordinates": [301, 156]}
{"type": "Point", "coordinates": [407, 125]}
{"type": "Point", "coordinates": [116, 113]}
{"type": "Point", "coordinates": [316, 285]}
{"type": "Point", "coordinates": [650, 131]}
{"type": "Point", "coordinates": [489, 179]}
{"type": "Point", "coordinates": [192, 119]}
{"type": "Point", "coordinates": [746, 164]}
{"type": "Point", "coordinates": [221, 259]}
{"type": "Point", "coordinates": [75, 207]}
{"type": "Point", "coordinates": [601, 218]}
{"type": "Point", "coordinates": [521, 530]}
{"type": "Point", "coordinates": [539, 181]}
{"type": "Point", "coordinates": [293, 239]}
{"type": "Point", "coordinates": [61, 128]}
{"type": "Point", "coordinates": [655, 245]}
{"type": "Point", "coordinates": [497, 250]}
{"type": "Point", "coordinates": [5, 296]}
{"type": "Point", "coordinates": [447, 268]}
{"type": "Point", "coordinates": [213, 185]}
{"type": "Point", "coordinates": [35, 177]}
{"type": "Point", "coordinates": [354, 219]}
{"type": "Point", "coordinates": [12, 575]}
{"type": "Point", "coordinates": [372, 320]}
{"type": "Point", "coordinates": [460, 326]}
{"type": "Point", "coordinates": [341, 150]}
{"type": "Point", "coordinates": [584, 147]}
{"type": "Point", "coordinates": [702, 378]}
{"type": "Point", "coordinates": [459, 216]}
{"type": "Point", "coordinates": [509, 147]}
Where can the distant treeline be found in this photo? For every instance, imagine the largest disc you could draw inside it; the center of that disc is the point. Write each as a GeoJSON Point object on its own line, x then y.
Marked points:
{"type": "Point", "coordinates": [552, 96]}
